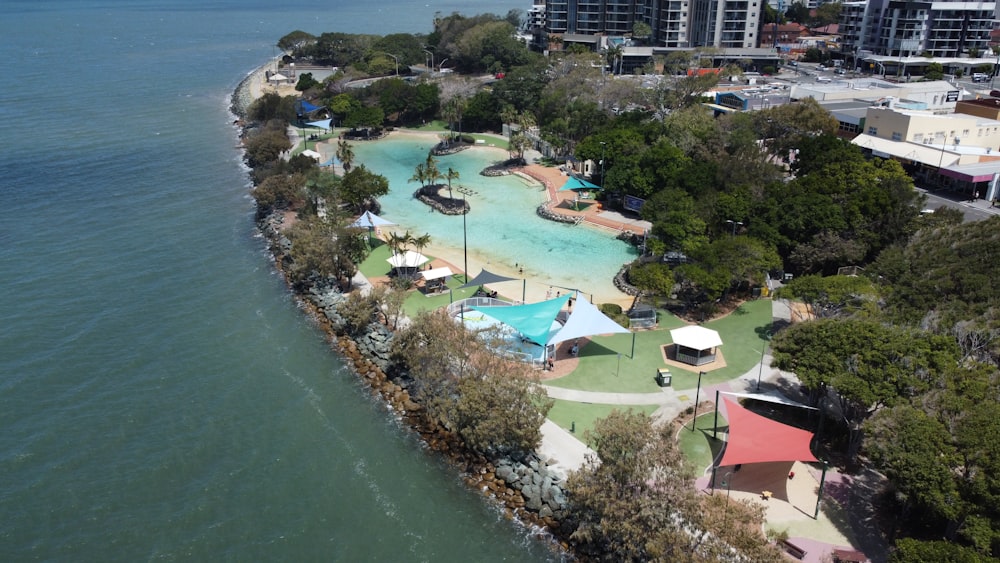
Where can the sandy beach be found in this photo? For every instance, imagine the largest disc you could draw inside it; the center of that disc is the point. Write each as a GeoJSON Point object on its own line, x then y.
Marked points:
{"type": "Point", "coordinates": [602, 291]}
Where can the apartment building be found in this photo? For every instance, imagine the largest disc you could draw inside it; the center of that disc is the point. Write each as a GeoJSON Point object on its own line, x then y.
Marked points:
{"type": "Point", "coordinates": [682, 24]}
{"type": "Point", "coordinates": [948, 28]}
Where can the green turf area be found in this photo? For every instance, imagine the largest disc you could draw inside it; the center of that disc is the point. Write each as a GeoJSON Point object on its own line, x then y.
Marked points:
{"type": "Point", "coordinates": [698, 447]}
{"type": "Point", "coordinates": [375, 264]}
{"type": "Point", "coordinates": [417, 301]}
{"type": "Point", "coordinates": [742, 334]}
{"type": "Point", "coordinates": [491, 140]}
{"type": "Point", "coordinates": [435, 125]}
{"type": "Point", "coordinates": [583, 415]}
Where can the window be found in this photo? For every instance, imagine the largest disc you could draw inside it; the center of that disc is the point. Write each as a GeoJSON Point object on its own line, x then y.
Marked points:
{"type": "Point", "coordinates": [965, 132]}
{"type": "Point", "coordinates": [873, 130]}
{"type": "Point", "coordinates": [918, 137]}
{"type": "Point", "coordinates": [897, 136]}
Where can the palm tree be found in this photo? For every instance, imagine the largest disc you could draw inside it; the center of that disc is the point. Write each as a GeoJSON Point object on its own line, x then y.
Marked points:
{"type": "Point", "coordinates": [396, 242]}
{"type": "Point", "coordinates": [419, 175]}
{"type": "Point", "coordinates": [421, 241]}
{"type": "Point", "coordinates": [508, 115]}
{"type": "Point", "coordinates": [345, 154]}
{"type": "Point", "coordinates": [451, 175]}
{"type": "Point", "coordinates": [449, 112]}
{"type": "Point", "coordinates": [614, 55]}
{"type": "Point", "coordinates": [433, 173]}
{"type": "Point", "coordinates": [460, 105]}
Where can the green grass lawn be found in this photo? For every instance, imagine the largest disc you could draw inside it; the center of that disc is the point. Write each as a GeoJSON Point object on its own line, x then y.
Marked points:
{"type": "Point", "coordinates": [435, 125]}
{"type": "Point", "coordinates": [608, 364]}
{"type": "Point", "coordinates": [417, 301]}
{"type": "Point", "coordinates": [375, 266]}
{"type": "Point", "coordinates": [568, 414]}
{"type": "Point", "coordinates": [698, 447]}
{"type": "Point", "coordinates": [498, 142]}
{"type": "Point", "coordinates": [599, 370]}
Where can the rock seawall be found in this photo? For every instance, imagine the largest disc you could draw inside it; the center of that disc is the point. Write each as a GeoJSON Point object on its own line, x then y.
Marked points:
{"type": "Point", "coordinates": [527, 489]}
{"type": "Point", "coordinates": [545, 212]}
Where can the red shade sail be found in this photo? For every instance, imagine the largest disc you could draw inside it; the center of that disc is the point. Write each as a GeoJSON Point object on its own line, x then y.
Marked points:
{"type": "Point", "coordinates": [757, 439]}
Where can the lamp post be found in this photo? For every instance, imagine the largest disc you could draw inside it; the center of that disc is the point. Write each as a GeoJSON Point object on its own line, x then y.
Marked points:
{"type": "Point", "coordinates": [996, 67]}
{"type": "Point", "coordinates": [767, 338]}
{"type": "Point", "coordinates": [441, 66]}
{"type": "Point", "coordinates": [603, 145]}
{"type": "Point", "coordinates": [432, 59]}
{"type": "Point", "coordinates": [697, 395]}
{"type": "Point", "coordinates": [729, 487]}
{"type": "Point", "coordinates": [465, 244]}
{"type": "Point", "coordinates": [734, 224]}
{"type": "Point", "coordinates": [395, 58]}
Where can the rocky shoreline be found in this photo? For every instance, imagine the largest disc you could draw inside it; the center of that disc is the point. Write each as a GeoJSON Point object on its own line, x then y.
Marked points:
{"type": "Point", "coordinates": [527, 489]}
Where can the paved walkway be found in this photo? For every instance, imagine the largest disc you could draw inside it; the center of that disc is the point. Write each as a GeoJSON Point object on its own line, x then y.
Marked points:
{"type": "Point", "coordinates": [593, 213]}
{"type": "Point", "coordinates": [791, 510]}
{"type": "Point", "coordinates": [671, 402]}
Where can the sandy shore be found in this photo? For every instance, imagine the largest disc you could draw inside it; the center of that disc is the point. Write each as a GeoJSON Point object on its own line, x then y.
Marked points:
{"type": "Point", "coordinates": [603, 291]}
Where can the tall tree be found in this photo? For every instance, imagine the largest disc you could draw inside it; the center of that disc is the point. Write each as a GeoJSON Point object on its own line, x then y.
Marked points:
{"type": "Point", "coordinates": [867, 365]}
{"type": "Point", "coordinates": [360, 187]}
{"type": "Point", "coordinates": [345, 154]}
{"type": "Point", "coordinates": [452, 174]}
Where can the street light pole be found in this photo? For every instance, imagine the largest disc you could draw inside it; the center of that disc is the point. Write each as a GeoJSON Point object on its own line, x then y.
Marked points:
{"type": "Point", "coordinates": [761, 370]}
{"type": "Point", "coordinates": [441, 66]}
{"type": "Point", "coordinates": [697, 395]}
{"type": "Point", "coordinates": [734, 223]}
{"type": "Point", "coordinates": [729, 487]}
{"type": "Point", "coordinates": [603, 144]}
{"type": "Point", "coordinates": [465, 244]}
{"type": "Point", "coordinates": [432, 59]}
{"type": "Point", "coordinates": [395, 58]}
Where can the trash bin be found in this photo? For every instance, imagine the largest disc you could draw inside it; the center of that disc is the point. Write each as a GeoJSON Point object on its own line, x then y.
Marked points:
{"type": "Point", "coordinates": [663, 377]}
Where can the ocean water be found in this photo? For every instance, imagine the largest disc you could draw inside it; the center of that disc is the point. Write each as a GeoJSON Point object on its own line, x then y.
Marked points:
{"type": "Point", "coordinates": [161, 396]}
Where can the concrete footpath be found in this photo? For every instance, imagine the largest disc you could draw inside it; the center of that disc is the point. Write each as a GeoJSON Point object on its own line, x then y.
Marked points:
{"type": "Point", "coordinates": [792, 506]}
{"type": "Point", "coordinates": [671, 403]}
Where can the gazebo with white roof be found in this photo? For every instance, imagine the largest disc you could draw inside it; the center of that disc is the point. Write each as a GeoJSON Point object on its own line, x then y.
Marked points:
{"type": "Point", "coordinates": [695, 344]}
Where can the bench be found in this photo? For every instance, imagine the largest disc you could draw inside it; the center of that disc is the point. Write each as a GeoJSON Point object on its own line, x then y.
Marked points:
{"type": "Point", "coordinates": [792, 549]}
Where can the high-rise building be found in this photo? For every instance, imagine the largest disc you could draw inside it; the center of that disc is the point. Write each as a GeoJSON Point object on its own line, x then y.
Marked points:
{"type": "Point", "coordinates": [898, 28]}
{"type": "Point", "coordinates": [675, 23]}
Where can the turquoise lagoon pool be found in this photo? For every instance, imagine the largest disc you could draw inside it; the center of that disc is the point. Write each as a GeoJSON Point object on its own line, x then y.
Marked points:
{"type": "Point", "coordinates": [504, 233]}
{"type": "Point", "coordinates": [504, 336]}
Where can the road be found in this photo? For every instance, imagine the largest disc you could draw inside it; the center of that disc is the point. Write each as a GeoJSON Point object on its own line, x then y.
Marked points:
{"type": "Point", "coordinates": [972, 210]}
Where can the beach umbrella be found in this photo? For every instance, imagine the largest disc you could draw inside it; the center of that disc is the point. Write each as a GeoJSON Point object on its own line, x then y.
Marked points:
{"type": "Point", "coordinates": [371, 222]}
{"type": "Point", "coordinates": [322, 124]}
{"type": "Point", "coordinates": [407, 260]}
{"type": "Point", "coordinates": [574, 183]}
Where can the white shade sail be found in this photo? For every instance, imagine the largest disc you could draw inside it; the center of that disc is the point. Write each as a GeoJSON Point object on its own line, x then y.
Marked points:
{"type": "Point", "coordinates": [586, 320]}
{"type": "Point", "coordinates": [408, 259]}
{"type": "Point", "coordinates": [436, 273]}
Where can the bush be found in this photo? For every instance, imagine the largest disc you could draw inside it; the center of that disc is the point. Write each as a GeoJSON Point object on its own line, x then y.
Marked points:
{"type": "Point", "coordinates": [614, 312]}
{"type": "Point", "coordinates": [655, 277]}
